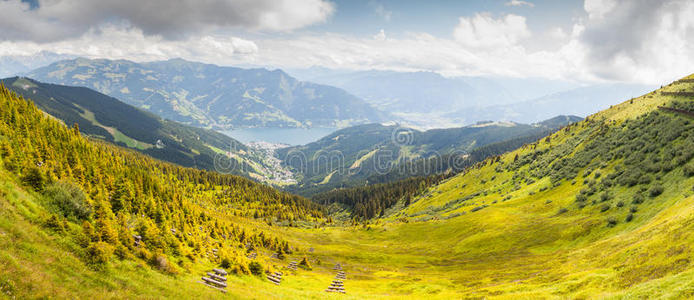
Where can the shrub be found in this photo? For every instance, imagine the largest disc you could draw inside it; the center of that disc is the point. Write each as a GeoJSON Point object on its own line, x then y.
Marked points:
{"type": "Point", "coordinates": [99, 254]}
{"type": "Point", "coordinates": [69, 200]}
{"type": "Point", "coordinates": [305, 264]}
{"type": "Point", "coordinates": [688, 170]}
{"type": "Point", "coordinates": [161, 263]}
{"type": "Point", "coordinates": [581, 198]}
{"type": "Point", "coordinates": [255, 268]}
{"type": "Point", "coordinates": [620, 203]}
{"type": "Point", "coordinates": [34, 178]}
{"type": "Point", "coordinates": [611, 221]}
{"type": "Point", "coordinates": [240, 269]}
{"type": "Point", "coordinates": [605, 208]}
{"type": "Point", "coordinates": [638, 199]}
{"type": "Point", "coordinates": [655, 190]}
{"type": "Point", "coordinates": [121, 252]}
{"type": "Point", "coordinates": [605, 196]}
{"type": "Point", "coordinates": [562, 210]}
{"type": "Point", "coordinates": [226, 263]}
{"type": "Point", "coordinates": [280, 254]}
{"type": "Point", "coordinates": [629, 217]}
{"type": "Point", "coordinates": [54, 224]}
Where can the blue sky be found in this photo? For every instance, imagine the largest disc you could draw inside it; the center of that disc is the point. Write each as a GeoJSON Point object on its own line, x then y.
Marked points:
{"type": "Point", "coordinates": [440, 17]}
{"type": "Point", "coordinates": [640, 41]}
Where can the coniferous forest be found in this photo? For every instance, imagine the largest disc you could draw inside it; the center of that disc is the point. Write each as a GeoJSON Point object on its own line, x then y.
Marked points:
{"type": "Point", "coordinates": [102, 196]}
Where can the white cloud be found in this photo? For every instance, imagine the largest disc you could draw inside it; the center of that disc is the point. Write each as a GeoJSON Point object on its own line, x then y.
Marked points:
{"type": "Point", "coordinates": [519, 3]}
{"type": "Point", "coordinates": [117, 42]}
{"type": "Point", "coordinates": [483, 31]}
{"type": "Point", "coordinates": [414, 52]}
{"type": "Point", "coordinates": [557, 33]}
{"type": "Point", "coordinates": [380, 36]}
{"type": "Point", "coordinates": [55, 20]}
{"type": "Point", "coordinates": [634, 41]}
{"type": "Point", "coordinates": [639, 40]}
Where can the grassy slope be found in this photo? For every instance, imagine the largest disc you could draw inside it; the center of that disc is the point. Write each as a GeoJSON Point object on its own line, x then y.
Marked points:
{"type": "Point", "coordinates": [519, 248]}
{"type": "Point", "coordinates": [37, 263]}
{"type": "Point", "coordinates": [522, 247]}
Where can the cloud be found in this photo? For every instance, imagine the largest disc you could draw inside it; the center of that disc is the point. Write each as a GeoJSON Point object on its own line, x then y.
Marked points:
{"type": "Point", "coordinates": [380, 36]}
{"type": "Point", "coordinates": [55, 20]}
{"type": "Point", "coordinates": [117, 42]}
{"type": "Point", "coordinates": [483, 31]}
{"type": "Point", "coordinates": [639, 40]}
{"type": "Point", "coordinates": [557, 33]}
{"type": "Point", "coordinates": [412, 52]}
{"type": "Point", "coordinates": [519, 3]}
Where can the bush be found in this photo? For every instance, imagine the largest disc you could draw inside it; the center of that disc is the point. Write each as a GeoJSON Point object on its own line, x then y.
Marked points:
{"type": "Point", "coordinates": [562, 210]}
{"type": "Point", "coordinates": [638, 199]}
{"type": "Point", "coordinates": [688, 170]}
{"type": "Point", "coordinates": [99, 254]}
{"type": "Point", "coordinates": [655, 190]}
{"type": "Point", "coordinates": [605, 196]}
{"type": "Point", "coordinates": [605, 208]}
{"type": "Point", "coordinates": [305, 264]}
{"type": "Point", "coordinates": [611, 221]}
{"type": "Point", "coordinates": [581, 198]}
{"type": "Point", "coordinates": [34, 178]}
{"type": "Point", "coordinates": [121, 252]}
{"type": "Point", "coordinates": [69, 200]}
{"type": "Point", "coordinates": [629, 217]}
{"type": "Point", "coordinates": [161, 263]}
{"type": "Point", "coordinates": [620, 203]}
{"type": "Point", "coordinates": [54, 224]}
{"type": "Point", "coordinates": [226, 263]}
{"type": "Point", "coordinates": [256, 268]}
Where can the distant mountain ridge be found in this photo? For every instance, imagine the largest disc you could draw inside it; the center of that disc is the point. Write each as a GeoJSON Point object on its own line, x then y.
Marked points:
{"type": "Point", "coordinates": [350, 156]}
{"type": "Point", "coordinates": [580, 101]}
{"type": "Point", "coordinates": [211, 96]}
{"type": "Point", "coordinates": [430, 100]}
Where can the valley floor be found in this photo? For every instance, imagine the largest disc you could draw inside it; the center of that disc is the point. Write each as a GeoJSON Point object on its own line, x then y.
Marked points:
{"type": "Point", "coordinates": [395, 260]}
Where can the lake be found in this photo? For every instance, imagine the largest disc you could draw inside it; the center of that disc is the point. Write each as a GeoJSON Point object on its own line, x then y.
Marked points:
{"type": "Point", "coordinates": [291, 136]}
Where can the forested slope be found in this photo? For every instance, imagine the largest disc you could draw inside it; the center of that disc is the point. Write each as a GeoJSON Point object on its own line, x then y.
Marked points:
{"type": "Point", "coordinates": [95, 197]}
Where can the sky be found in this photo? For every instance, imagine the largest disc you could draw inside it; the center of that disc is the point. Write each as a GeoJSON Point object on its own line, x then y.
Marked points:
{"type": "Point", "coordinates": [636, 41]}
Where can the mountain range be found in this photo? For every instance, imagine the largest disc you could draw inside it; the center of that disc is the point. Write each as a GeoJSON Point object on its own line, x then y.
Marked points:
{"type": "Point", "coordinates": [430, 100]}
{"type": "Point", "coordinates": [350, 156]}
{"type": "Point", "coordinates": [211, 96]}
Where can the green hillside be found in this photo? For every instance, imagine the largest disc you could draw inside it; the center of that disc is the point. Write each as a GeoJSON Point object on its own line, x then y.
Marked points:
{"type": "Point", "coordinates": [601, 209]}
{"type": "Point", "coordinates": [82, 218]}
{"type": "Point", "coordinates": [103, 117]}
{"type": "Point", "coordinates": [381, 153]}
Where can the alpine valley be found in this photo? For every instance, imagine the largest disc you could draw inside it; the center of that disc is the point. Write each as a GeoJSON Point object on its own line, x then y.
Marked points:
{"type": "Point", "coordinates": [338, 149]}
{"type": "Point", "coordinates": [601, 207]}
